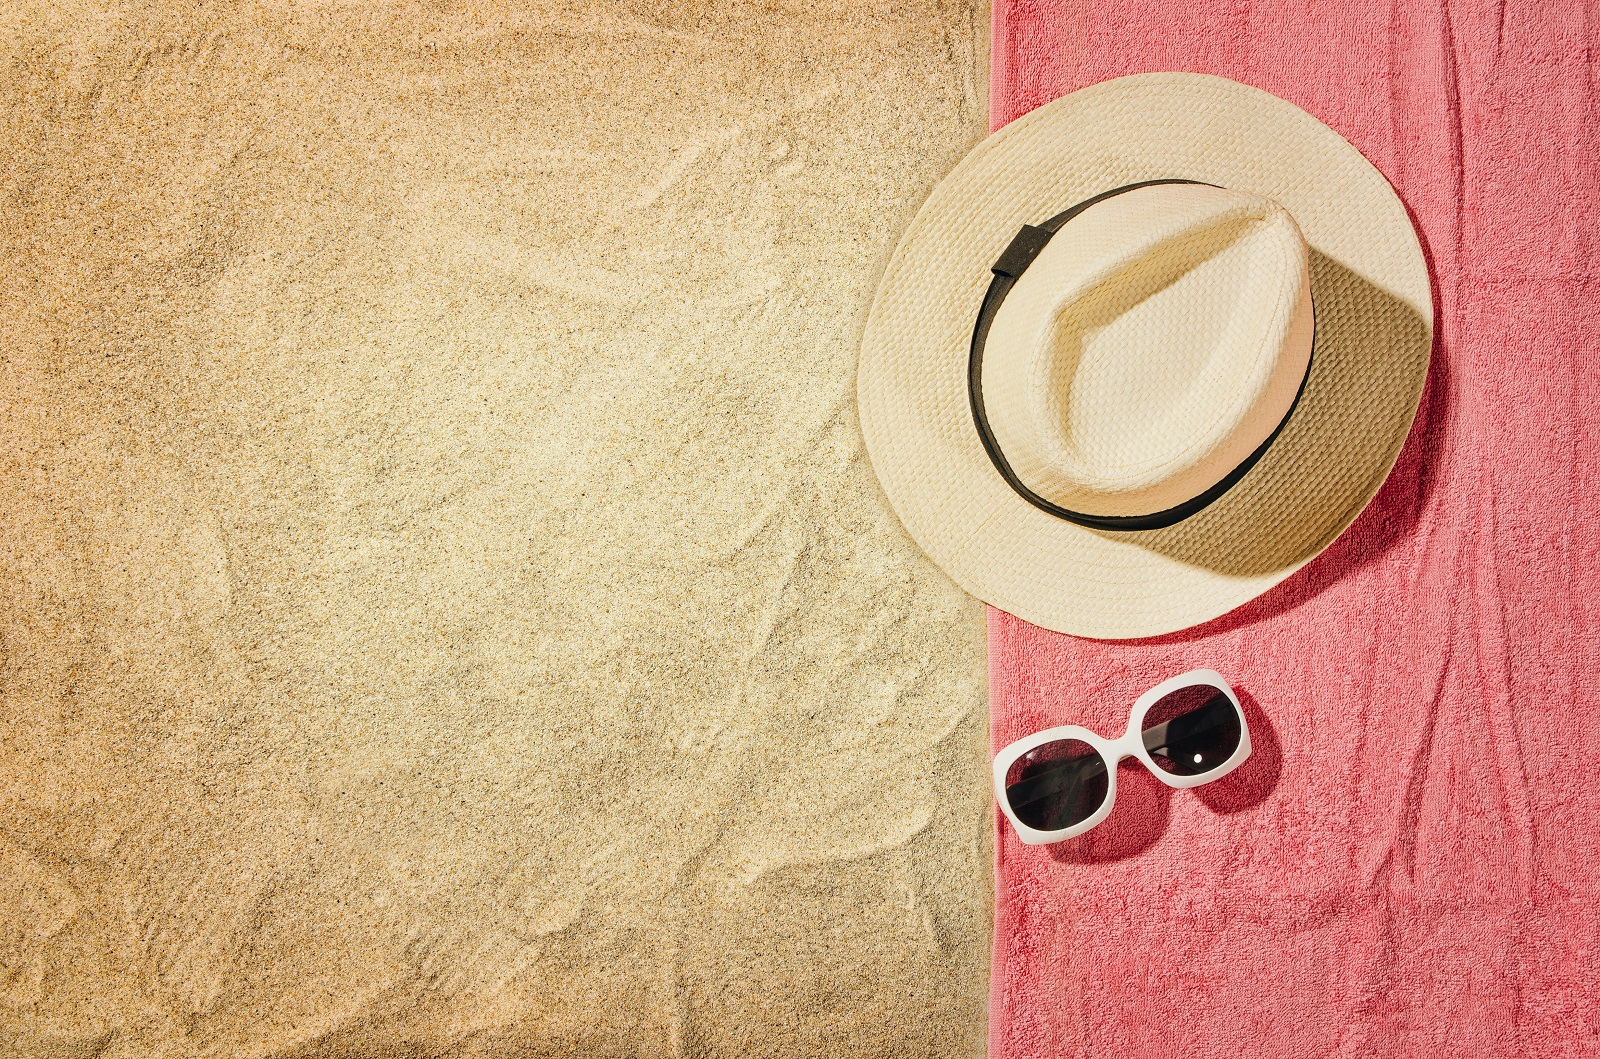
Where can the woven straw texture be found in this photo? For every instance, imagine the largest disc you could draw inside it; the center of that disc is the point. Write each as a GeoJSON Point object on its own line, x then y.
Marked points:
{"type": "Point", "coordinates": [1374, 331]}
{"type": "Point", "coordinates": [1147, 352]}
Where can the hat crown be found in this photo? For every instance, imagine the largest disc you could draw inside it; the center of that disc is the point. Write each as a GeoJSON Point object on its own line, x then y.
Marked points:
{"type": "Point", "coordinates": [1157, 340]}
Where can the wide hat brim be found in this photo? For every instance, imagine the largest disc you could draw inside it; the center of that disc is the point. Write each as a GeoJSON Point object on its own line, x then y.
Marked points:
{"type": "Point", "coordinates": [1374, 335]}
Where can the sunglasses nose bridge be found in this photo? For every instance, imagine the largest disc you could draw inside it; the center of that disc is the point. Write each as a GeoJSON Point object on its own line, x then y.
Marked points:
{"type": "Point", "coordinates": [1126, 747]}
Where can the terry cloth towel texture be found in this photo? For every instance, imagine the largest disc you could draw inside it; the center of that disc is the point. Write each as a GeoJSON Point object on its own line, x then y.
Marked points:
{"type": "Point", "coordinates": [1407, 865]}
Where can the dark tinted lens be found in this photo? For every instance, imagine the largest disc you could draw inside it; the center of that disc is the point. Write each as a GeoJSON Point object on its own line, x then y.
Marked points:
{"type": "Point", "coordinates": [1056, 785]}
{"type": "Point", "coordinates": [1192, 730]}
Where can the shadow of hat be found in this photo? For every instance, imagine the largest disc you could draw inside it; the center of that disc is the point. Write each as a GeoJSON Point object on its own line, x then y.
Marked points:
{"type": "Point", "coordinates": [1368, 367]}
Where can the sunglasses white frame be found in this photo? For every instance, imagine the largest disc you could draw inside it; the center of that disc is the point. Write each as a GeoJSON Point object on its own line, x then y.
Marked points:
{"type": "Point", "coordinates": [1114, 751]}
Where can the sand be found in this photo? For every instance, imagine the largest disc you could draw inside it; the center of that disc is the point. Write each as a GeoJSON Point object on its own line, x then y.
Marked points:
{"type": "Point", "coordinates": [445, 605]}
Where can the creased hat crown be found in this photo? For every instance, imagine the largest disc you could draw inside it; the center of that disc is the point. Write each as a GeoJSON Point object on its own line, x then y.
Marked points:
{"type": "Point", "coordinates": [1157, 340]}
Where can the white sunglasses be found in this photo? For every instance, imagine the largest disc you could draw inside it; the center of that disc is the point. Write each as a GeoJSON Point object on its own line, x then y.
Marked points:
{"type": "Point", "coordinates": [1060, 782]}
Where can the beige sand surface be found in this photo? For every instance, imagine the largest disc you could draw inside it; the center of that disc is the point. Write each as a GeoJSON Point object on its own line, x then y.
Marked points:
{"type": "Point", "coordinates": [446, 608]}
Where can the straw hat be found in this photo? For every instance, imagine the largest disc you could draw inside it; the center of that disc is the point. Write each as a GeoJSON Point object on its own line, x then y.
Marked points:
{"type": "Point", "coordinates": [1144, 353]}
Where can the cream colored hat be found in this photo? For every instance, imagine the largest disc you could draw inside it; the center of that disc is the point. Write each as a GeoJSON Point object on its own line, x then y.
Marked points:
{"type": "Point", "coordinates": [1144, 353]}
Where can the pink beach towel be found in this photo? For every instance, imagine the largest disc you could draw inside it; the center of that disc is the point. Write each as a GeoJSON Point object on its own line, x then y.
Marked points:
{"type": "Point", "coordinates": [1408, 864]}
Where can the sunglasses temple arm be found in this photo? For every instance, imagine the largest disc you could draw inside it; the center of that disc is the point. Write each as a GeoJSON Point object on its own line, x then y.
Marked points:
{"type": "Point", "coordinates": [1155, 738]}
{"type": "Point", "coordinates": [1026, 791]}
